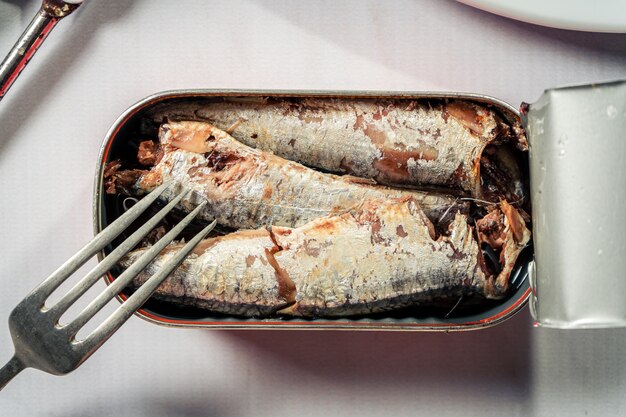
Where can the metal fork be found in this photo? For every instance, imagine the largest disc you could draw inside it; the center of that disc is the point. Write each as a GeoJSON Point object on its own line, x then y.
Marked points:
{"type": "Point", "coordinates": [49, 14]}
{"type": "Point", "coordinates": [43, 343]}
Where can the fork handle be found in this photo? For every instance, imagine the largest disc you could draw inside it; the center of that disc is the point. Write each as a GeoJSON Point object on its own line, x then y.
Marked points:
{"type": "Point", "coordinates": [45, 20]}
{"type": "Point", "coordinates": [24, 49]}
{"type": "Point", "coordinates": [8, 371]}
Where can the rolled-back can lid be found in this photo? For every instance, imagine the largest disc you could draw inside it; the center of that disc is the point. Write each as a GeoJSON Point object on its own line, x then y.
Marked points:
{"type": "Point", "coordinates": [577, 138]}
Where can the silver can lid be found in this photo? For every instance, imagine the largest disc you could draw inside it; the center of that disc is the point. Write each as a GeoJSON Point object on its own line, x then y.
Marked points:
{"type": "Point", "coordinates": [577, 157]}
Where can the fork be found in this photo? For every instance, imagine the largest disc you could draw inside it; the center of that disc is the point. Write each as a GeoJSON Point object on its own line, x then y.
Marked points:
{"type": "Point", "coordinates": [41, 342]}
{"type": "Point", "coordinates": [49, 14]}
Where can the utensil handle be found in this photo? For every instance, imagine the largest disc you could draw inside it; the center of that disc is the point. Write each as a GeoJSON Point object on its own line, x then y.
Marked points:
{"type": "Point", "coordinates": [25, 48]}
{"type": "Point", "coordinates": [8, 371]}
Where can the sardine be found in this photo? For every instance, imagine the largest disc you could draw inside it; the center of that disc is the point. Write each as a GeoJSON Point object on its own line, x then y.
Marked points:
{"type": "Point", "coordinates": [380, 257]}
{"type": "Point", "coordinates": [247, 188]}
{"type": "Point", "coordinates": [452, 144]}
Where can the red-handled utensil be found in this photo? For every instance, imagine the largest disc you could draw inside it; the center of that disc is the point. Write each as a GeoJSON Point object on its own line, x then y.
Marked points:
{"type": "Point", "coordinates": [45, 20]}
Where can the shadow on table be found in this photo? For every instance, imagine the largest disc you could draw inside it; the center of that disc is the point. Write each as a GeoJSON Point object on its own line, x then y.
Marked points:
{"type": "Point", "coordinates": [25, 5]}
{"type": "Point", "coordinates": [607, 44]}
{"type": "Point", "coordinates": [56, 67]}
{"type": "Point", "coordinates": [492, 364]}
{"type": "Point", "coordinates": [433, 41]}
{"type": "Point", "coordinates": [187, 404]}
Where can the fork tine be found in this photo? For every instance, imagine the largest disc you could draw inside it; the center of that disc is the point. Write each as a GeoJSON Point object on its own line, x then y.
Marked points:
{"type": "Point", "coordinates": [107, 263]}
{"type": "Point", "coordinates": [131, 272]}
{"type": "Point", "coordinates": [97, 244]}
{"type": "Point", "coordinates": [135, 301]}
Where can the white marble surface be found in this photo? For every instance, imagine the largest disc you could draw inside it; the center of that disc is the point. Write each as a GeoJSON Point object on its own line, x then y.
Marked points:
{"type": "Point", "coordinates": [113, 53]}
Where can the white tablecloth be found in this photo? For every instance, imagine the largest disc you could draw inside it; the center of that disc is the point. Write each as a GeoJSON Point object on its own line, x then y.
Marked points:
{"type": "Point", "coordinates": [110, 54]}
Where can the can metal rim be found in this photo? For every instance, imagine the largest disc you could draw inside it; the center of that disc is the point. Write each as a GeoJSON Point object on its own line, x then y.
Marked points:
{"type": "Point", "coordinates": [98, 214]}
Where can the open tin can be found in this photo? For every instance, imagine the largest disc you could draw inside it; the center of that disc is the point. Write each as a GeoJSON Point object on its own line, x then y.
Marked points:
{"type": "Point", "coordinates": [132, 125]}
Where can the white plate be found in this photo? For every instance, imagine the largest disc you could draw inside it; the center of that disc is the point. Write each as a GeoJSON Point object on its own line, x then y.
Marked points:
{"type": "Point", "coordinates": [586, 15]}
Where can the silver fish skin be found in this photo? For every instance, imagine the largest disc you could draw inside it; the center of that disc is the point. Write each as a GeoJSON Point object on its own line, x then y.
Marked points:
{"type": "Point", "coordinates": [247, 188]}
{"type": "Point", "coordinates": [377, 259]}
{"type": "Point", "coordinates": [395, 142]}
